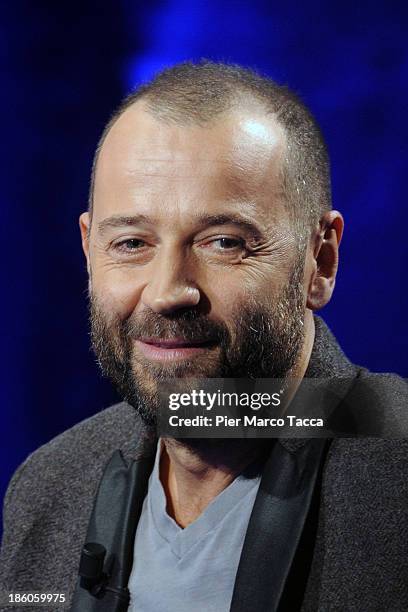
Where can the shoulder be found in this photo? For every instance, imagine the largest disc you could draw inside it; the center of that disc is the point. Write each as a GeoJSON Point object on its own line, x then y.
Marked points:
{"type": "Point", "coordinates": [93, 437]}
{"type": "Point", "coordinates": [87, 444]}
{"type": "Point", "coordinates": [380, 404]}
{"type": "Point", "coordinates": [88, 441]}
{"type": "Point", "coordinates": [375, 456]}
{"type": "Point", "coordinates": [388, 386]}
{"type": "Point", "coordinates": [50, 497]}
{"type": "Point", "coordinates": [374, 463]}
{"type": "Point", "coordinates": [73, 461]}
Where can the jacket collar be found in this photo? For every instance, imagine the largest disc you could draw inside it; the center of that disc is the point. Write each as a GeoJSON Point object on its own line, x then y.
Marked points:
{"type": "Point", "coordinates": [327, 361]}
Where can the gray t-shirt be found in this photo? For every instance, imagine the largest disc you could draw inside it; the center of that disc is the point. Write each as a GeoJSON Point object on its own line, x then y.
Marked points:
{"type": "Point", "coordinates": [191, 569]}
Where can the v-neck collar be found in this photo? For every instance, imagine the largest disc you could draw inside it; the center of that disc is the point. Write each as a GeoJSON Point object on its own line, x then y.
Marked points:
{"type": "Point", "coordinates": [182, 540]}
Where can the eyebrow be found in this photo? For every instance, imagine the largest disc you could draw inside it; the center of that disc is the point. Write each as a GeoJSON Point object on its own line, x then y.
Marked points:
{"type": "Point", "coordinates": [229, 219]}
{"type": "Point", "coordinates": [122, 221]}
{"type": "Point", "coordinates": [202, 221]}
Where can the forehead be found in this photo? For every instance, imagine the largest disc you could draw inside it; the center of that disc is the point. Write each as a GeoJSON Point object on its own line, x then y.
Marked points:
{"type": "Point", "coordinates": [143, 160]}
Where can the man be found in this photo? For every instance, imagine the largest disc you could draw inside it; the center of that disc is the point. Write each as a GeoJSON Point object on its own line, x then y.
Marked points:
{"type": "Point", "coordinates": [210, 242]}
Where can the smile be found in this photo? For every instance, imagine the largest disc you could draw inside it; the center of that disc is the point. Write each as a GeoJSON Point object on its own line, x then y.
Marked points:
{"type": "Point", "coordinates": [170, 350]}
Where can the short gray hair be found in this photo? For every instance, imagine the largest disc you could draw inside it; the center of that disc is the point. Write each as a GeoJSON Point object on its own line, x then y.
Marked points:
{"type": "Point", "coordinates": [198, 92]}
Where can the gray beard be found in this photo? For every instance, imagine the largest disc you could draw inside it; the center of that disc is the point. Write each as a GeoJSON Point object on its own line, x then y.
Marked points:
{"type": "Point", "coordinates": [267, 344]}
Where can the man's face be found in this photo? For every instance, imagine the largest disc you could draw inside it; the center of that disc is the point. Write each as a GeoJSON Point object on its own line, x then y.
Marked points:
{"type": "Point", "coordinates": [194, 265]}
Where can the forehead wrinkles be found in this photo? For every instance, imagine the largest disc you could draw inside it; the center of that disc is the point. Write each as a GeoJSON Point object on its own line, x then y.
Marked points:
{"type": "Point", "coordinates": [243, 153]}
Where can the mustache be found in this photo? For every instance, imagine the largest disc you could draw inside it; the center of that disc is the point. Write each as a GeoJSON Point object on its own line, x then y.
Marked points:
{"type": "Point", "coordinates": [190, 325]}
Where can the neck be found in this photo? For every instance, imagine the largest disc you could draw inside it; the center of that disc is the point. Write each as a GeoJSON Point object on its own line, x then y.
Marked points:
{"type": "Point", "coordinates": [193, 472]}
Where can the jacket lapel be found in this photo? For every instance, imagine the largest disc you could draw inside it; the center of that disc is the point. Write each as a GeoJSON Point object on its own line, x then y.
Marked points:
{"type": "Point", "coordinates": [279, 542]}
{"type": "Point", "coordinates": [276, 525]}
{"type": "Point", "coordinates": [113, 523]}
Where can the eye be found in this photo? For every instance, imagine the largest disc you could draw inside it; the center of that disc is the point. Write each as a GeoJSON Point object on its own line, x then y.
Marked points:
{"type": "Point", "coordinates": [227, 243]}
{"type": "Point", "coordinates": [130, 245]}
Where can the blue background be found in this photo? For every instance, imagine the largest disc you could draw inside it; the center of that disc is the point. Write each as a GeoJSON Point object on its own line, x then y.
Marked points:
{"type": "Point", "coordinates": [66, 65]}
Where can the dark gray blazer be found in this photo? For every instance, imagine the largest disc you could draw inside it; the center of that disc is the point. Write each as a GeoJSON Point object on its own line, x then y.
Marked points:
{"type": "Point", "coordinates": [350, 552]}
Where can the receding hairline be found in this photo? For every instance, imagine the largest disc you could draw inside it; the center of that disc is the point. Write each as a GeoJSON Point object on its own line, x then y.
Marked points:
{"type": "Point", "coordinates": [245, 113]}
{"type": "Point", "coordinates": [244, 103]}
{"type": "Point", "coordinates": [197, 94]}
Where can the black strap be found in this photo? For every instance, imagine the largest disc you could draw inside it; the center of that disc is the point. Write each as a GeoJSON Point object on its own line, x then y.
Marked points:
{"type": "Point", "coordinates": [275, 528]}
{"type": "Point", "coordinates": [113, 523]}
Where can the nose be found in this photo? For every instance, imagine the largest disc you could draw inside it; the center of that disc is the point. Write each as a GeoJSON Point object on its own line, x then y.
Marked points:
{"type": "Point", "coordinates": [170, 288]}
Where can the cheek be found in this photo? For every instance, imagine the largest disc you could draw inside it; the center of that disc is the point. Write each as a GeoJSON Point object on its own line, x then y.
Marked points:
{"type": "Point", "coordinates": [221, 289]}
{"type": "Point", "coordinates": [229, 296]}
{"type": "Point", "coordinates": [117, 291]}
{"type": "Point", "coordinates": [263, 283]}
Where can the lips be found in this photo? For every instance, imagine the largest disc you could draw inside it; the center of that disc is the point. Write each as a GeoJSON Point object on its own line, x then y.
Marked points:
{"type": "Point", "coordinates": [171, 349]}
{"type": "Point", "coordinates": [173, 342]}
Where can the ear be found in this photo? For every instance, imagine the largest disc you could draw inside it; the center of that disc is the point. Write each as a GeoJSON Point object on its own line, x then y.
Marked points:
{"type": "Point", "coordinates": [84, 226]}
{"type": "Point", "coordinates": [325, 259]}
